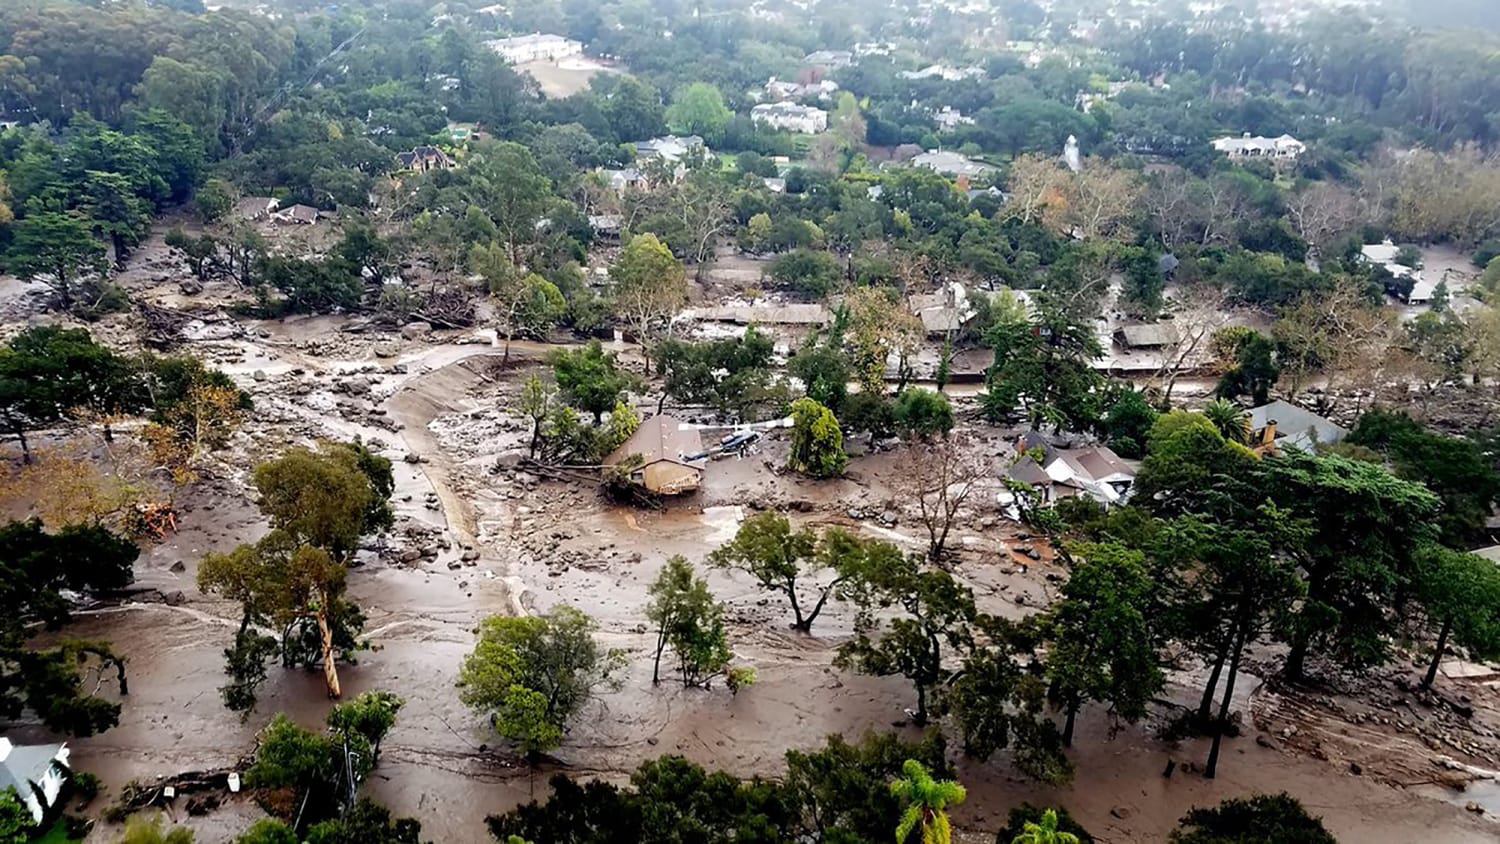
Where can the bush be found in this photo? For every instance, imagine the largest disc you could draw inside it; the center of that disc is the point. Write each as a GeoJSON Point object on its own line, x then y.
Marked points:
{"type": "Point", "coordinates": [923, 413]}
{"type": "Point", "coordinates": [85, 785]}
{"type": "Point", "coordinates": [1026, 813]}
{"type": "Point", "coordinates": [808, 271]}
{"type": "Point", "coordinates": [1487, 252]}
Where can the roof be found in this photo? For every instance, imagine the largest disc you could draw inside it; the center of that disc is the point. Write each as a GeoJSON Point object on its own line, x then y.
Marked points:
{"type": "Point", "coordinates": [775, 314]}
{"type": "Point", "coordinates": [1296, 426]}
{"type": "Point", "coordinates": [28, 763]}
{"type": "Point", "coordinates": [951, 163]}
{"type": "Point", "coordinates": [786, 110]}
{"type": "Point", "coordinates": [528, 40]}
{"type": "Point", "coordinates": [1148, 335]}
{"type": "Point", "coordinates": [1027, 471]}
{"type": "Point", "coordinates": [300, 213]}
{"type": "Point", "coordinates": [1098, 462]}
{"type": "Point", "coordinates": [659, 438]}
{"type": "Point", "coordinates": [1258, 145]}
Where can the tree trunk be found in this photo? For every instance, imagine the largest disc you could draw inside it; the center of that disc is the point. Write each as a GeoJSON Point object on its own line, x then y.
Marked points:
{"type": "Point", "coordinates": [1067, 736]}
{"type": "Point", "coordinates": [25, 446]}
{"type": "Point", "coordinates": [1206, 704]}
{"type": "Point", "coordinates": [1211, 768]}
{"type": "Point", "coordinates": [1437, 654]}
{"type": "Point", "coordinates": [1296, 658]}
{"type": "Point", "coordinates": [800, 624]}
{"type": "Point", "coordinates": [330, 671]}
{"type": "Point", "coordinates": [920, 719]}
{"type": "Point", "coordinates": [661, 645]}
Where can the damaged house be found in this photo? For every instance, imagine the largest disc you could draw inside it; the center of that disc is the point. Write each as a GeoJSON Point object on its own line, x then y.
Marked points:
{"type": "Point", "coordinates": [662, 456]}
{"type": "Point", "coordinates": [1058, 473]}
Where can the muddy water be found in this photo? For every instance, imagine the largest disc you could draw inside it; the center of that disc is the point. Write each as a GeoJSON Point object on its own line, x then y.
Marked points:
{"type": "Point", "coordinates": [440, 763]}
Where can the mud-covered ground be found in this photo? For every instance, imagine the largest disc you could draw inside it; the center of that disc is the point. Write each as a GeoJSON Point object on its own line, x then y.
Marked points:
{"type": "Point", "coordinates": [478, 536]}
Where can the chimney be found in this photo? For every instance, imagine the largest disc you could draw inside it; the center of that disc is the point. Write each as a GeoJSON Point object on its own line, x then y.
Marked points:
{"type": "Point", "coordinates": [1268, 437]}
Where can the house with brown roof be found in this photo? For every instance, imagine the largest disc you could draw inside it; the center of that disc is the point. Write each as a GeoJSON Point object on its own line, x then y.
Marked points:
{"type": "Point", "coordinates": [297, 215]}
{"type": "Point", "coordinates": [424, 158]}
{"type": "Point", "coordinates": [662, 456]}
{"type": "Point", "coordinates": [1058, 473]}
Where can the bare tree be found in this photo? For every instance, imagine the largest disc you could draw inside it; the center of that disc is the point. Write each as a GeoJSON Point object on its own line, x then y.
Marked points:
{"type": "Point", "coordinates": [939, 476]}
{"type": "Point", "coordinates": [1101, 200]}
{"type": "Point", "coordinates": [1174, 203]}
{"type": "Point", "coordinates": [1196, 314]}
{"type": "Point", "coordinates": [1321, 213]}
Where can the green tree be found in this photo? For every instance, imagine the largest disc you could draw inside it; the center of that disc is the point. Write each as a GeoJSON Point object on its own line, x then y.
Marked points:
{"type": "Point", "coordinates": [214, 200]}
{"type": "Point", "coordinates": [537, 403]}
{"type": "Point", "coordinates": [817, 441]}
{"type": "Point", "coordinates": [698, 109]}
{"type": "Point", "coordinates": [1230, 420]}
{"type": "Point", "coordinates": [58, 683]}
{"type": "Point", "coordinates": [1128, 423]}
{"type": "Point", "coordinates": [689, 621]}
{"type": "Point", "coordinates": [1026, 818]}
{"type": "Point", "coordinates": [1455, 468]}
{"type": "Point", "coordinates": [1262, 819]}
{"type": "Point", "coordinates": [1461, 593]}
{"type": "Point", "coordinates": [140, 829]}
{"type": "Point", "coordinates": [923, 414]}
{"type": "Point", "coordinates": [15, 819]}
{"type": "Point", "coordinates": [809, 271]}
{"type": "Point", "coordinates": [649, 288]}
{"type": "Point", "coordinates": [320, 771]}
{"type": "Point", "coordinates": [57, 248]}
{"type": "Point", "coordinates": [115, 211]}
{"type": "Point", "coordinates": [367, 822]}
{"type": "Point", "coordinates": [370, 716]}
{"type": "Point", "coordinates": [1103, 645]}
{"type": "Point", "coordinates": [1044, 368]}
{"type": "Point", "coordinates": [1045, 830]}
{"type": "Point", "coordinates": [935, 610]}
{"type": "Point", "coordinates": [268, 831]}
{"type": "Point", "coordinates": [769, 550]}
{"type": "Point", "coordinates": [927, 801]}
{"type": "Point", "coordinates": [533, 675]}
{"type": "Point", "coordinates": [46, 372]}
{"type": "Point", "coordinates": [589, 379]}
{"type": "Point", "coordinates": [1253, 370]}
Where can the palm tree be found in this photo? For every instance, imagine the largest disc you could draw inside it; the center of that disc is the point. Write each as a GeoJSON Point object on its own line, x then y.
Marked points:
{"type": "Point", "coordinates": [925, 800]}
{"type": "Point", "coordinates": [1044, 832]}
{"type": "Point", "coordinates": [1229, 419]}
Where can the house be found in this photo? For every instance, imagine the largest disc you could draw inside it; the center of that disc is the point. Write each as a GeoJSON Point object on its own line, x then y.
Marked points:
{"type": "Point", "coordinates": [37, 773]}
{"type": "Point", "coordinates": [669, 148]}
{"type": "Point", "coordinates": [951, 164]}
{"type": "Point", "coordinates": [1057, 473]}
{"type": "Point", "coordinates": [424, 158]}
{"type": "Point", "coordinates": [297, 215]}
{"type": "Point", "coordinates": [949, 118]}
{"type": "Point", "coordinates": [1279, 425]}
{"type": "Point", "coordinates": [829, 59]}
{"type": "Point", "coordinates": [535, 47]}
{"type": "Point", "coordinates": [1383, 254]}
{"type": "Point", "coordinates": [1285, 148]}
{"type": "Point", "coordinates": [945, 311]}
{"type": "Point", "coordinates": [619, 180]}
{"type": "Point", "coordinates": [255, 208]}
{"type": "Point", "coordinates": [943, 72]}
{"type": "Point", "coordinates": [462, 133]}
{"type": "Point", "coordinates": [606, 225]}
{"type": "Point", "coordinates": [667, 453]}
{"type": "Point", "coordinates": [1155, 335]}
{"type": "Point", "coordinates": [776, 90]}
{"type": "Point", "coordinates": [790, 117]}
{"type": "Point", "coordinates": [774, 184]}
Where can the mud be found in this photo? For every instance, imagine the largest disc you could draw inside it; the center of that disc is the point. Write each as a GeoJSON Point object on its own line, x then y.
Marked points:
{"type": "Point", "coordinates": [474, 538]}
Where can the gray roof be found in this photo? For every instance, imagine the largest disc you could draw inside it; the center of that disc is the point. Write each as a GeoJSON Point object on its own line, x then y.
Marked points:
{"type": "Point", "coordinates": [1296, 426]}
{"type": "Point", "coordinates": [1148, 335]}
{"type": "Point", "coordinates": [27, 763]}
{"type": "Point", "coordinates": [1027, 471]}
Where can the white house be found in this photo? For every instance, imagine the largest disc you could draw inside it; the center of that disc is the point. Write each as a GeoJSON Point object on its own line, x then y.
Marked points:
{"type": "Point", "coordinates": [1057, 473]}
{"type": "Point", "coordinates": [1285, 148]}
{"type": "Point", "coordinates": [1383, 254]}
{"type": "Point", "coordinates": [535, 47]}
{"type": "Point", "coordinates": [777, 90]}
{"type": "Point", "coordinates": [669, 148]}
{"type": "Point", "coordinates": [37, 773]}
{"type": "Point", "coordinates": [943, 72]}
{"type": "Point", "coordinates": [950, 118]}
{"type": "Point", "coordinates": [951, 164]}
{"type": "Point", "coordinates": [791, 117]}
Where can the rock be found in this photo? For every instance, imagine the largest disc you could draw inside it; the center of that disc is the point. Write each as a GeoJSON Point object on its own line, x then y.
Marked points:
{"type": "Point", "coordinates": [259, 375]}
{"type": "Point", "coordinates": [412, 457]}
{"type": "Point", "coordinates": [386, 350]}
{"type": "Point", "coordinates": [470, 556]}
{"type": "Point", "coordinates": [1264, 742]}
{"type": "Point", "coordinates": [653, 741]}
{"type": "Point", "coordinates": [1121, 812]}
{"type": "Point", "coordinates": [190, 286]}
{"type": "Point", "coordinates": [1471, 806]}
{"type": "Point", "coordinates": [454, 565]}
{"type": "Point", "coordinates": [410, 555]}
{"type": "Point", "coordinates": [1356, 769]}
{"type": "Point", "coordinates": [178, 567]}
{"type": "Point", "coordinates": [174, 599]}
{"type": "Point", "coordinates": [415, 330]}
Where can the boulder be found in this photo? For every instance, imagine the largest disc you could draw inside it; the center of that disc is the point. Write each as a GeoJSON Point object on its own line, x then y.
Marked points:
{"type": "Point", "coordinates": [415, 330]}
